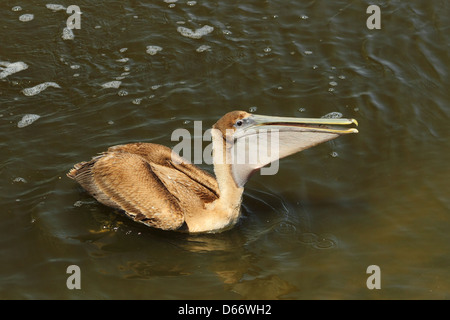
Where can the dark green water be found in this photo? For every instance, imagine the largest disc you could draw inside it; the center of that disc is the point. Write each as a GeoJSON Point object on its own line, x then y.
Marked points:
{"type": "Point", "coordinates": [380, 197]}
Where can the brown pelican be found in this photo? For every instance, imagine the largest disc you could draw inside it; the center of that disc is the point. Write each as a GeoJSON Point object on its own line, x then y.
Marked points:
{"type": "Point", "coordinates": [155, 186]}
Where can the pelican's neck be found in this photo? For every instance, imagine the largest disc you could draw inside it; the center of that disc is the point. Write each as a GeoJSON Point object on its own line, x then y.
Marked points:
{"type": "Point", "coordinates": [230, 193]}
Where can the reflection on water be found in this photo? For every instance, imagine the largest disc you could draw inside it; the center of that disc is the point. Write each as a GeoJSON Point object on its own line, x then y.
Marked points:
{"type": "Point", "coordinates": [136, 71]}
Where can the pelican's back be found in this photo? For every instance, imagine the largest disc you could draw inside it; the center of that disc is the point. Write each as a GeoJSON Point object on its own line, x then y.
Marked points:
{"type": "Point", "coordinates": [147, 181]}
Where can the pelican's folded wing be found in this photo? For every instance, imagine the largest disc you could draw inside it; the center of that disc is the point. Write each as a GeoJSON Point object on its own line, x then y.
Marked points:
{"type": "Point", "coordinates": [143, 180]}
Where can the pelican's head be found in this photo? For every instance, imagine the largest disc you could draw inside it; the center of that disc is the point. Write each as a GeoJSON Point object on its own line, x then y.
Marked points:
{"type": "Point", "coordinates": [254, 140]}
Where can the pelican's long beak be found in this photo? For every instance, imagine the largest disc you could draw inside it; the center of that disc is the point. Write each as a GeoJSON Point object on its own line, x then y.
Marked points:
{"type": "Point", "coordinates": [278, 137]}
{"type": "Point", "coordinates": [301, 124]}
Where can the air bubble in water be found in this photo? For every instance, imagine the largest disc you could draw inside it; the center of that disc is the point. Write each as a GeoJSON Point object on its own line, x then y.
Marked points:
{"type": "Point", "coordinates": [112, 84]}
{"type": "Point", "coordinates": [26, 17]}
{"type": "Point", "coordinates": [39, 88]}
{"type": "Point", "coordinates": [325, 243]}
{"type": "Point", "coordinates": [332, 115]}
{"type": "Point", "coordinates": [203, 48]}
{"type": "Point", "coordinates": [152, 50]}
{"type": "Point", "coordinates": [55, 7]}
{"type": "Point", "coordinates": [67, 34]}
{"type": "Point", "coordinates": [308, 238]}
{"type": "Point", "coordinates": [286, 228]}
{"type": "Point", "coordinates": [197, 34]}
{"type": "Point", "coordinates": [137, 101]}
{"type": "Point", "coordinates": [78, 203]}
{"type": "Point", "coordinates": [9, 68]}
{"type": "Point", "coordinates": [27, 120]}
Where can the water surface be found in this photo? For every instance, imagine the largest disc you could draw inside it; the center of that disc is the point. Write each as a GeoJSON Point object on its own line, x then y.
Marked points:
{"type": "Point", "coordinates": [138, 70]}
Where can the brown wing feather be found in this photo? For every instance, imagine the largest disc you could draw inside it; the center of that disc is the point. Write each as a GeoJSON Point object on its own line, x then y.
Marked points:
{"type": "Point", "coordinates": [206, 186]}
{"type": "Point", "coordinates": [144, 181]}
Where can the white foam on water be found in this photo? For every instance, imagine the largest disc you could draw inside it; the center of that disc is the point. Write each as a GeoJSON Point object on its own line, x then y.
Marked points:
{"type": "Point", "coordinates": [67, 34]}
{"type": "Point", "coordinates": [112, 84]}
{"type": "Point", "coordinates": [55, 7]}
{"type": "Point", "coordinates": [16, 8]}
{"type": "Point", "coordinates": [171, 3]}
{"type": "Point", "coordinates": [27, 120]}
{"type": "Point", "coordinates": [78, 203]}
{"type": "Point", "coordinates": [197, 34]}
{"type": "Point", "coordinates": [20, 179]}
{"type": "Point", "coordinates": [332, 115]}
{"type": "Point", "coordinates": [152, 50]}
{"type": "Point", "coordinates": [137, 101]}
{"type": "Point", "coordinates": [39, 88]}
{"type": "Point", "coordinates": [26, 17]}
{"type": "Point", "coordinates": [203, 48]}
{"type": "Point", "coordinates": [9, 68]}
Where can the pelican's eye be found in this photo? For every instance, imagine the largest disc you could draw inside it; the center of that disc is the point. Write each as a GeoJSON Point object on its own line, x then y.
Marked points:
{"type": "Point", "coordinates": [239, 123]}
